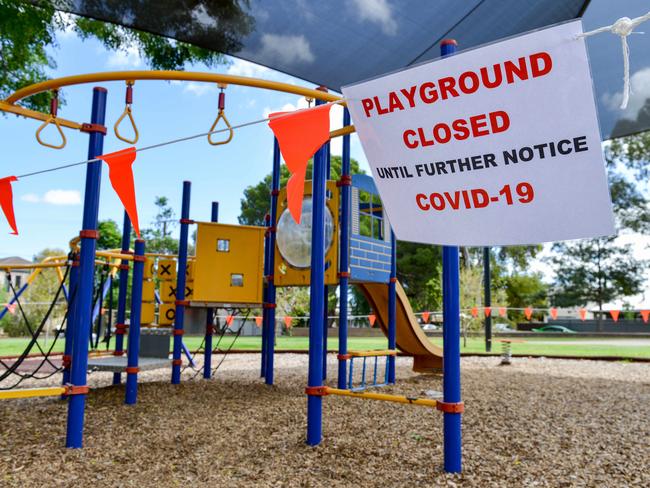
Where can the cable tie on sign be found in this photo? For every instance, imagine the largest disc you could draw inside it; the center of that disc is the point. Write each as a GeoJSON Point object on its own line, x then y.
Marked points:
{"type": "Point", "coordinates": [623, 27]}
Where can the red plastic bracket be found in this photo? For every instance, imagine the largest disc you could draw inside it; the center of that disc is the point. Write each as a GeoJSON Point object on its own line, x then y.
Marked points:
{"type": "Point", "coordinates": [177, 362]}
{"type": "Point", "coordinates": [183, 303]}
{"type": "Point", "coordinates": [76, 390]}
{"type": "Point", "coordinates": [317, 391]}
{"type": "Point", "coordinates": [89, 234]}
{"type": "Point", "coordinates": [87, 127]}
{"type": "Point", "coordinates": [450, 407]}
{"type": "Point", "coordinates": [139, 259]}
{"type": "Point", "coordinates": [186, 221]}
{"type": "Point", "coordinates": [344, 274]}
{"type": "Point", "coordinates": [345, 180]}
{"type": "Point", "coordinates": [66, 361]}
{"type": "Point", "coordinates": [343, 357]}
{"type": "Point", "coordinates": [269, 305]}
{"type": "Point", "coordinates": [124, 266]}
{"type": "Point", "coordinates": [178, 332]}
{"type": "Point", "coordinates": [132, 370]}
{"type": "Point", "coordinates": [118, 353]}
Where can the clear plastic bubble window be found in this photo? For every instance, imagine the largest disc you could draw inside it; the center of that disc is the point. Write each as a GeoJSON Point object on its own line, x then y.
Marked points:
{"type": "Point", "coordinates": [294, 240]}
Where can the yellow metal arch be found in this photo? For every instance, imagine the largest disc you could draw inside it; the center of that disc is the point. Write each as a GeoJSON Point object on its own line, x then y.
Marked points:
{"type": "Point", "coordinates": [10, 103]}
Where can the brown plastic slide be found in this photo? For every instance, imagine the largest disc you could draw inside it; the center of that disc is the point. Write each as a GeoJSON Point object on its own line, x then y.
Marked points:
{"type": "Point", "coordinates": [411, 339]}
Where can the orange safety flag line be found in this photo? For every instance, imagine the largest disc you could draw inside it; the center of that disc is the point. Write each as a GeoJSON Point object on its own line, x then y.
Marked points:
{"type": "Point", "coordinates": [372, 317]}
{"type": "Point", "coordinates": [583, 314]}
{"type": "Point", "coordinates": [12, 308]}
{"type": "Point", "coordinates": [528, 312]}
{"type": "Point", "coordinates": [474, 312]}
{"type": "Point", "coordinates": [120, 172]}
{"type": "Point", "coordinates": [287, 322]}
{"type": "Point", "coordinates": [553, 313]}
{"type": "Point", "coordinates": [425, 317]}
{"type": "Point", "coordinates": [502, 311]}
{"type": "Point", "coordinates": [229, 320]}
{"type": "Point", "coordinates": [258, 321]}
{"type": "Point", "coordinates": [645, 314]}
{"type": "Point", "coordinates": [7, 201]}
{"type": "Point", "coordinates": [300, 134]}
{"type": "Point", "coordinates": [615, 314]}
{"type": "Point", "coordinates": [488, 311]}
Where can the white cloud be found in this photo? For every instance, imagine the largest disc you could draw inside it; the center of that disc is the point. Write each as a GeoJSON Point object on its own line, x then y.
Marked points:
{"type": "Point", "coordinates": [129, 58]}
{"type": "Point", "coordinates": [199, 89]}
{"type": "Point", "coordinates": [639, 93]}
{"type": "Point", "coordinates": [54, 197]}
{"type": "Point", "coordinates": [62, 197]}
{"type": "Point", "coordinates": [201, 16]}
{"type": "Point", "coordinates": [240, 67]}
{"type": "Point", "coordinates": [377, 12]}
{"type": "Point", "coordinates": [30, 198]}
{"type": "Point", "coordinates": [286, 49]}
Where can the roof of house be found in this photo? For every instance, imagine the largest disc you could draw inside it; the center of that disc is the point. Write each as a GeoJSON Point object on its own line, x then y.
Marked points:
{"type": "Point", "coordinates": [14, 260]}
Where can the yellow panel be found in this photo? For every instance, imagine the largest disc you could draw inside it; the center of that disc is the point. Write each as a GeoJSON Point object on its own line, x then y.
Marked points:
{"type": "Point", "coordinates": [168, 291]}
{"type": "Point", "coordinates": [166, 313]}
{"type": "Point", "coordinates": [148, 313]}
{"type": "Point", "coordinates": [189, 290]}
{"type": "Point", "coordinates": [149, 268]}
{"type": "Point", "coordinates": [189, 271]}
{"type": "Point", "coordinates": [217, 272]}
{"type": "Point", "coordinates": [287, 275]}
{"type": "Point", "coordinates": [148, 291]}
{"type": "Point", "coordinates": [167, 269]}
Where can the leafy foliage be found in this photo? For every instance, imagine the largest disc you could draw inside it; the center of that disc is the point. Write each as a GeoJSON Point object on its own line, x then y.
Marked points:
{"type": "Point", "coordinates": [28, 29]}
{"type": "Point", "coordinates": [159, 237]}
{"type": "Point", "coordinates": [110, 236]}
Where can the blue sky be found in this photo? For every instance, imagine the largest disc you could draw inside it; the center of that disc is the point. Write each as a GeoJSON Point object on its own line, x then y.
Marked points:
{"type": "Point", "coordinates": [49, 207]}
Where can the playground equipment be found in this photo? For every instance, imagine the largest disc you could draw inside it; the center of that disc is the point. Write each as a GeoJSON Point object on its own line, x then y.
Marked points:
{"type": "Point", "coordinates": [366, 256]}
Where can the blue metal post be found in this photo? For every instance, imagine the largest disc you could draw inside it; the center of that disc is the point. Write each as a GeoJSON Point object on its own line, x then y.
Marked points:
{"type": "Point", "coordinates": [328, 175]}
{"type": "Point", "coordinates": [265, 294]}
{"type": "Point", "coordinates": [344, 254]}
{"type": "Point", "coordinates": [451, 339]}
{"type": "Point", "coordinates": [81, 328]}
{"type": "Point", "coordinates": [120, 326]}
{"type": "Point", "coordinates": [270, 314]}
{"type": "Point", "coordinates": [73, 284]}
{"type": "Point", "coordinates": [209, 326]}
{"type": "Point", "coordinates": [392, 308]}
{"type": "Point", "coordinates": [180, 285]}
{"type": "Point", "coordinates": [134, 324]}
{"type": "Point", "coordinates": [317, 293]}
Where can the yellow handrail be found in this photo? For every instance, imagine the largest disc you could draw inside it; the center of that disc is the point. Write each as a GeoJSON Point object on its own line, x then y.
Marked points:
{"type": "Point", "coordinates": [385, 352]}
{"type": "Point", "coordinates": [425, 402]}
{"type": "Point", "coordinates": [32, 392]}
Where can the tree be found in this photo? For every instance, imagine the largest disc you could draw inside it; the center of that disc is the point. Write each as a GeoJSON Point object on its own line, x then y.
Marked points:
{"type": "Point", "coordinates": [28, 30]}
{"type": "Point", "coordinates": [525, 290]}
{"type": "Point", "coordinates": [603, 270]}
{"type": "Point", "coordinates": [159, 237]}
{"type": "Point", "coordinates": [110, 236]}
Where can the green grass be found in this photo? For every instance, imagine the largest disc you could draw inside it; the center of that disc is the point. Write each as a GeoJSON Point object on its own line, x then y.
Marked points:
{"type": "Point", "coordinates": [536, 346]}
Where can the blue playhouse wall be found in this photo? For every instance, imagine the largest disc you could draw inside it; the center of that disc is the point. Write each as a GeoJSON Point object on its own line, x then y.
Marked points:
{"type": "Point", "coordinates": [369, 251]}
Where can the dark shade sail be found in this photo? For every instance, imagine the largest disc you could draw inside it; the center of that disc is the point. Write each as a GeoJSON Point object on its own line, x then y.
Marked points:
{"type": "Point", "coordinates": [338, 42]}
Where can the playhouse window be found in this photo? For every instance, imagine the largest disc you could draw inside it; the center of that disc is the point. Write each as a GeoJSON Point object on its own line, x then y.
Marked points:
{"type": "Point", "coordinates": [236, 279]}
{"type": "Point", "coordinates": [223, 245]}
{"type": "Point", "coordinates": [371, 215]}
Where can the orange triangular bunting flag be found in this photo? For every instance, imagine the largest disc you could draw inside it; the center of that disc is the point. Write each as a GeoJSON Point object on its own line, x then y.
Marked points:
{"type": "Point", "coordinates": [502, 311]}
{"type": "Point", "coordinates": [528, 312]}
{"type": "Point", "coordinates": [425, 317]}
{"type": "Point", "coordinates": [645, 314]}
{"type": "Point", "coordinates": [7, 201]}
{"type": "Point", "coordinates": [300, 134]}
{"type": "Point", "coordinates": [488, 311]}
{"type": "Point", "coordinates": [372, 318]}
{"type": "Point", "coordinates": [553, 312]}
{"type": "Point", "coordinates": [474, 312]}
{"type": "Point", "coordinates": [615, 314]}
{"type": "Point", "coordinates": [258, 321]}
{"type": "Point", "coordinates": [583, 314]}
{"type": "Point", "coordinates": [229, 319]}
{"type": "Point", "coordinates": [288, 322]}
{"type": "Point", "coordinates": [120, 172]}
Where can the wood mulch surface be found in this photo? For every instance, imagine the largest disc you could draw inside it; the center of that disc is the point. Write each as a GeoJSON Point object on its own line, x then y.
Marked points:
{"type": "Point", "coordinates": [535, 423]}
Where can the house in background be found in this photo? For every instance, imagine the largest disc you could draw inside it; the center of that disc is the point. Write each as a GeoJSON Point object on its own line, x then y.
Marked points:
{"type": "Point", "coordinates": [18, 276]}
